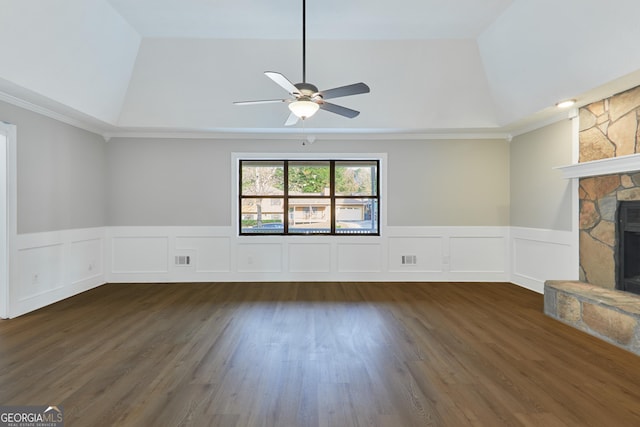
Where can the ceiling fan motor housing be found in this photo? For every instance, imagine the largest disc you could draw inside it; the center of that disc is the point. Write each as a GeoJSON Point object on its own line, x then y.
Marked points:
{"type": "Point", "coordinates": [306, 89]}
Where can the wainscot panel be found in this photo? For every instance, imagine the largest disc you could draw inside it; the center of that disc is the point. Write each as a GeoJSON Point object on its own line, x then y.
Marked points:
{"type": "Point", "coordinates": [219, 254]}
{"type": "Point", "coordinates": [140, 254]}
{"type": "Point", "coordinates": [478, 254]}
{"type": "Point", "coordinates": [309, 257]}
{"type": "Point", "coordinates": [260, 257]}
{"type": "Point", "coordinates": [538, 255]}
{"type": "Point", "coordinates": [56, 265]}
{"type": "Point", "coordinates": [51, 266]}
{"type": "Point", "coordinates": [209, 254]}
{"type": "Point", "coordinates": [416, 254]}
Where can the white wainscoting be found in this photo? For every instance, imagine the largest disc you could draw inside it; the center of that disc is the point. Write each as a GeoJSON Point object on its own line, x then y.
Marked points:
{"type": "Point", "coordinates": [148, 254]}
{"type": "Point", "coordinates": [538, 255]}
{"type": "Point", "coordinates": [55, 265]}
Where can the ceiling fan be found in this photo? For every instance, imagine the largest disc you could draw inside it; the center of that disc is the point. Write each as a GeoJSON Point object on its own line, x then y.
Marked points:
{"type": "Point", "coordinates": [305, 98]}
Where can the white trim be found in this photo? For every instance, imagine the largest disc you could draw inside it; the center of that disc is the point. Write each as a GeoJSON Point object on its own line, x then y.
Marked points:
{"type": "Point", "coordinates": [538, 255]}
{"type": "Point", "coordinates": [219, 255]}
{"type": "Point", "coordinates": [4, 238]}
{"type": "Point", "coordinates": [575, 197]}
{"type": "Point", "coordinates": [622, 164]}
{"type": "Point", "coordinates": [50, 266]}
{"type": "Point", "coordinates": [62, 260]}
{"type": "Point", "coordinates": [10, 219]}
{"type": "Point", "coordinates": [320, 133]}
{"type": "Point", "coordinates": [61, 117]}
{"type": "Point", "coordinates": [108, 131]}
{"type": "Point", "coordinates": [541, 123]}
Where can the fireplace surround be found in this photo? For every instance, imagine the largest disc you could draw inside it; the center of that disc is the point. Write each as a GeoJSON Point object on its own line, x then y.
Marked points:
{"type": "Point", "coordinates": [595, 304]}
{"type": "Point", "coordinates": [600, 198]}
{"type": "Point", "coordinates": [605, 301]}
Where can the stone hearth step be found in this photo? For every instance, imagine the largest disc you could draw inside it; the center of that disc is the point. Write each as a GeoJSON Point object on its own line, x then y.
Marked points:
{"type": "Point", "coordinates": [608, 314]}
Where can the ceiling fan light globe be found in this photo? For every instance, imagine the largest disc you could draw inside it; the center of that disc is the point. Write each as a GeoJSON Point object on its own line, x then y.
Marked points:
{"type": "Point", "coordinates": [304, 109]}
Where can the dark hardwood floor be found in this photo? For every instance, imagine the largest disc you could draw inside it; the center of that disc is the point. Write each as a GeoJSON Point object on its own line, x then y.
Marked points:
{"type": "Point", "coordinates": [314, 354]}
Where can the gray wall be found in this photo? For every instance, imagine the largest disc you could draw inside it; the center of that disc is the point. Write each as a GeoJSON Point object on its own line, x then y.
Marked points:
{"type": "Point", "coordinates": [70, 178]}
{"type": "Point", "coordinates": [540, 197]}
{"type": "Point", "coordinates": [188, 182]}
{"type": "Point", "coordinates": [61, 173]}
{"type": "Point", "coordinates": [168, 182]}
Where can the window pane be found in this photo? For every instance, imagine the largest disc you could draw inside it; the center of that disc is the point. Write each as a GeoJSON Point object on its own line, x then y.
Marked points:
{"type": "Point", "coordinates": [309, 178]}
{"type": "Point", "coordinates": [356, 216]}
{"type": "Point", "coordinates": [356, 178]}
{"type": "Point", "coordinates": [262, 215]}
{"type": "Point", "coordinates": [316, 202]}
{"type": "Point", "coordinates": [309, 215]}
{"type": "Point", "coordinates": [262, 178]}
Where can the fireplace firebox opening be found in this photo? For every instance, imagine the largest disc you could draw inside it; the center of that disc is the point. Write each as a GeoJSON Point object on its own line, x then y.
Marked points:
{"type": "Point", "coordinates": [628, 248]}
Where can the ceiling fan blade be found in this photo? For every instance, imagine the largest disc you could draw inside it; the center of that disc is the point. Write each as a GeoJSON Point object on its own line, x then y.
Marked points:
{"type": "Point", "coordinates": [354, 89]}
{"type": "Point", "coordinates": [338, 109]}
{"type": "Point", "coordinates": [292, 120]}
{"type": "Point", "coordinates": [264, 101]}
{"type": "Point", "coordinates": [282, 81]}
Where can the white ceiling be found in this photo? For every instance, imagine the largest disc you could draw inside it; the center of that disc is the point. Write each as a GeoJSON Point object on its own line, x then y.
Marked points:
{"type": "Point", "coordinates": [326, 19]}
{"type": "Point", "coordinates": [462, 67]}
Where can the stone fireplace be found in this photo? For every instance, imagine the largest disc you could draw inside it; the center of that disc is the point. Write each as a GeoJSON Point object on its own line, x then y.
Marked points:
{"type": "Point", "coordinates": [608, 129]}
{"type": "Point", "coordinates": [597, 304]}
{"type": "Point", "coordinates": [600, 198]}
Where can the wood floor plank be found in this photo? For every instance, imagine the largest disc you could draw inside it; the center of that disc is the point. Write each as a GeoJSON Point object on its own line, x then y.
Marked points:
{"type": "Point", "coordinates": [314, 354]}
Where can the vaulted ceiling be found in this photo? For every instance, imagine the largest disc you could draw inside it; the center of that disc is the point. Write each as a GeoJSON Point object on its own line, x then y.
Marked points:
{"type": "Point", "coordinates": [434, 66]}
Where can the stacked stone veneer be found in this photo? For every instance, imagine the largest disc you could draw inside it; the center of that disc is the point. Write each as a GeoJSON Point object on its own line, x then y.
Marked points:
{"type": "Point", "coordinates": [609, 315]}
{"type": "Point", "coordinates": [608, 128]}
{"type": "Point", "coordinates": [599, 198]}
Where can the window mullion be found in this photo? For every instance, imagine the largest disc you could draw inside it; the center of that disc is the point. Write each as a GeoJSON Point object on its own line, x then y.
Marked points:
{"type": "Point", "coordinates": [285, 207]}
{"type": "Point", "coordinates": [240, 198]}
{"type": "Point", "coordinates": [332, 194]}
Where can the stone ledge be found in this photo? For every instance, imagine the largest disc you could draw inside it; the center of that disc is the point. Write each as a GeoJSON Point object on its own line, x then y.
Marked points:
{"type": "Point", "coordinates": [611, 315]}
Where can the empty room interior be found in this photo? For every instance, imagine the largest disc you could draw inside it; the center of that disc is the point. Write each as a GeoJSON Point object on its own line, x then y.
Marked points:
{"type": "Point", "coordinates": [307, 213]}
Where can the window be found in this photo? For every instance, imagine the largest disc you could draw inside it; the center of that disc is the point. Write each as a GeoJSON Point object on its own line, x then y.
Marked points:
{"type": "Point", "coordinates": [300, 197]}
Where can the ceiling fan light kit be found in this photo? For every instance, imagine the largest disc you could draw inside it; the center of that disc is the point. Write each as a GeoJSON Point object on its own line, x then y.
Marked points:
{"type": "Point", "coordinates": [306, 98]}
{"type": "Point", "coordinates": [304, 108]}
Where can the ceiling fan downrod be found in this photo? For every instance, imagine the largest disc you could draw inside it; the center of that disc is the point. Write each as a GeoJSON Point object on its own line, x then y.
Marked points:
{"type": "Point", "coordinates": [304, 41]}
{"type": "Point", "coordinates": [306, 99]}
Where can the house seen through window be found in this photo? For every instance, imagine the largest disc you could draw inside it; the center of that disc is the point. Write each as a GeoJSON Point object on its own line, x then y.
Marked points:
{"type": "Point", "coordinates": [334, 197]}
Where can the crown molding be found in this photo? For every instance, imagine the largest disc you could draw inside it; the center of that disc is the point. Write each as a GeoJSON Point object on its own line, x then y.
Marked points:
{"type": "Point", "coordinates": [319, 133]}
{"type": "Point", "coordinates": [61, 117]}
{"type": "Point", "coordinates": [533, 124]}
{"type": "Point", "coordinates": [110, 131]}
